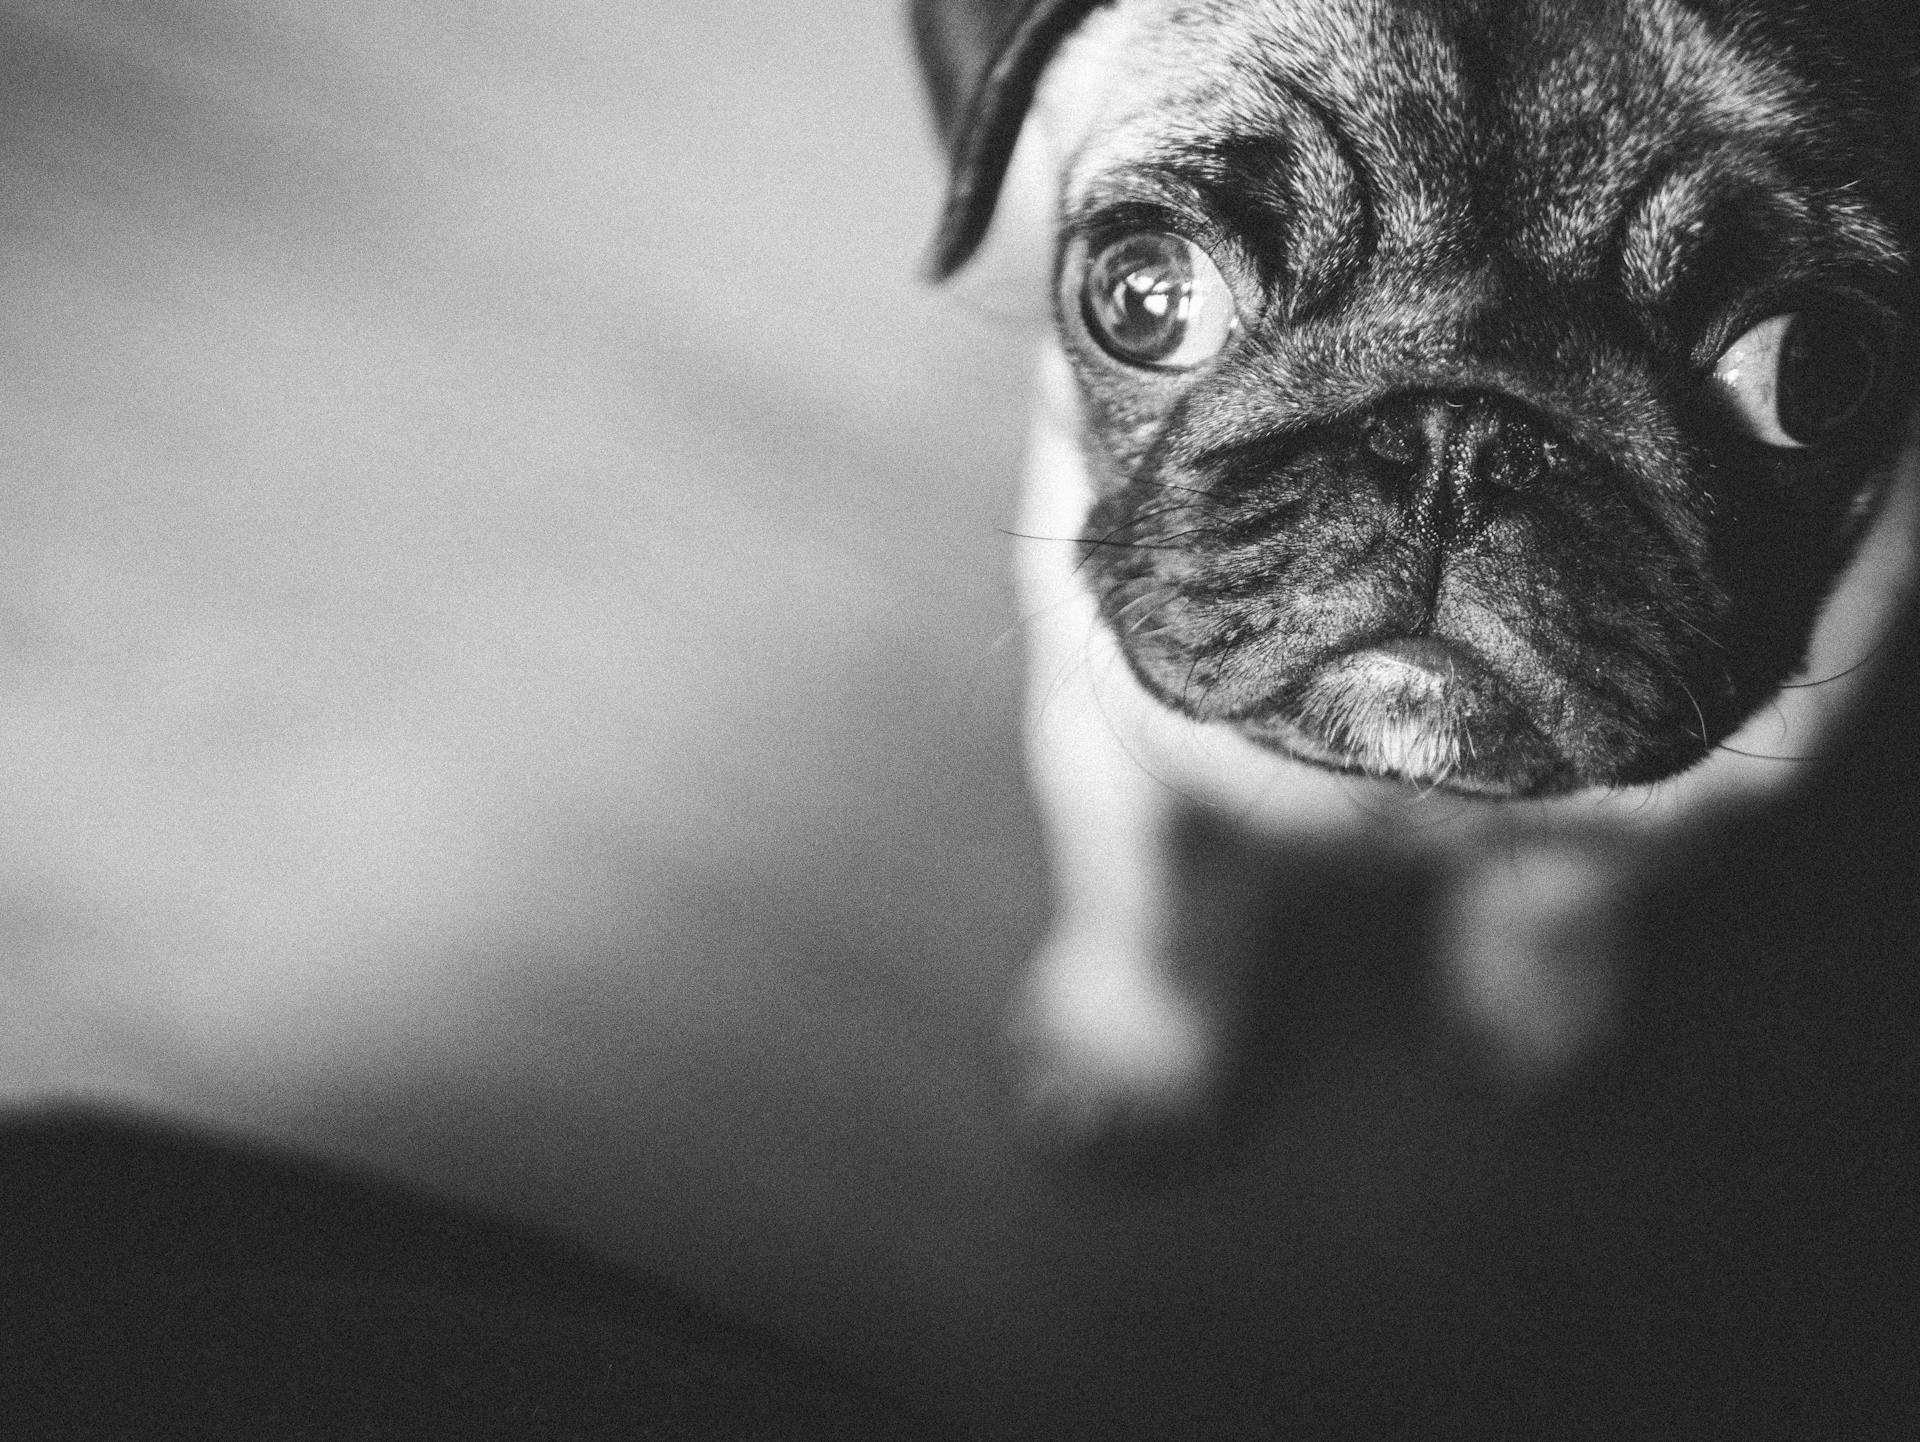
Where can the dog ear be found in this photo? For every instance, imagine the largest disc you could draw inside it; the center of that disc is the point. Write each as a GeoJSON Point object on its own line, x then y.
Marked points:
{"type": "Point", "coordinates": [982, 60]}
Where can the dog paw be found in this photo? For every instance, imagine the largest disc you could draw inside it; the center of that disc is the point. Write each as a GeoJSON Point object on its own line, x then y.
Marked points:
{"type": "Point", "coordinates": [1533, 948]}
{"type": "Point", "coordinates": [1064, 1110]}
{"type": "Point", "coordinates": [1108, 1050]}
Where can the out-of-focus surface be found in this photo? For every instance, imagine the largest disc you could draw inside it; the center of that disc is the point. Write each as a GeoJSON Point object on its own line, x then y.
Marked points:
{"type": "Point", "coordinates": [166, 1284]}
{"type": "Point", "coordinates": [508, 679]}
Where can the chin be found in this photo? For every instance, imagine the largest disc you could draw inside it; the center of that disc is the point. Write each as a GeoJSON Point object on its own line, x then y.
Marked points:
{"type": "Point", "coordinates": [1433, 714]}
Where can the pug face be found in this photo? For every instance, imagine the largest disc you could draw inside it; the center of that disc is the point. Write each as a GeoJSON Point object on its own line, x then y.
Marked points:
{"type": "Point", "coordinates": [1482, 395]}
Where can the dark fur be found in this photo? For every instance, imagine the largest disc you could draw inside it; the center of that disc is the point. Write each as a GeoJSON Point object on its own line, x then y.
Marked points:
{"type": "Point", "coordinates": [1485, 257]}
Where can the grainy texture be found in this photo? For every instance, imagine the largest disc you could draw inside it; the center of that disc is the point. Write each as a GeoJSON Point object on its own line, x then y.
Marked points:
{"type": "Point", "coordinates": [506, 679]}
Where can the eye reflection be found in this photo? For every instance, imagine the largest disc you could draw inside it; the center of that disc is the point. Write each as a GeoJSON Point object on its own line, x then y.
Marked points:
{"type": "Point", "coordinates": [1155, 299]}
{"type": "Point", "coordinates": [1794, 380]}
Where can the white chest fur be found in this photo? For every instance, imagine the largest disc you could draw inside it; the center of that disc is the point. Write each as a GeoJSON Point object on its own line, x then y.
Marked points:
{"type": "Point", "coordinates": [1533, 890]}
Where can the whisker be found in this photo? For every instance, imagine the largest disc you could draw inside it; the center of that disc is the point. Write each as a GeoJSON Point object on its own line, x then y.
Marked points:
{"type": "Point", "coordinates": [1707, 636]}
{"type": "Point", "coordinates": [1112, 537]}
{"type": "Point", "coordinates": [1700, 715]}
{"type": "Point", "coordinates": [1166, 543]}
{"type": "Point", "coordinates": [1090, 541]}
{"type": "Point", "coordinates": [1756, 755]}
{"type": "Point", "coordinates": [1031, 536]}
{"type": "Point", "coordinates": [1152, 513]}
{"type": "Point", "coordinates": [1873, 651]}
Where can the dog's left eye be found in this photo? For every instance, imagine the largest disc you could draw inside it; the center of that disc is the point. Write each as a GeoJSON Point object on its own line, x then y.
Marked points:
{"type": "Point", "coordinates": [1793, 380]}
{"type": "Point", "coordinates": [1154, 299]}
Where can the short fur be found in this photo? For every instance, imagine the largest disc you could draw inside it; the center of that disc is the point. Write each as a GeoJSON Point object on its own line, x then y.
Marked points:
{"type": "Point", "coordinates": [1455, 550]}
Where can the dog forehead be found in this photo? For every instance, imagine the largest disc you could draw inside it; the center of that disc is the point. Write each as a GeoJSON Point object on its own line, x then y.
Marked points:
{"type": "Point", "coordinates": [1204, 68]}
{"type": "Point", "coordinates": [1553, 114]}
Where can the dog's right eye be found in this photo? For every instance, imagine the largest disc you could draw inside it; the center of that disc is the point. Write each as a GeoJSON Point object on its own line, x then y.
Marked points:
{"type": "Point", "coordinates": [1793, 380]}
{"type": "Point", "coordinates": [1154, 299]}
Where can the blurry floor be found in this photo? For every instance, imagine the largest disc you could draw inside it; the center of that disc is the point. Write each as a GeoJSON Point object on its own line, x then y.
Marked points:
{"type": "Point", "coordinates": [165, 1284]}
{"type": "Point", "coordinates": [507, 678]}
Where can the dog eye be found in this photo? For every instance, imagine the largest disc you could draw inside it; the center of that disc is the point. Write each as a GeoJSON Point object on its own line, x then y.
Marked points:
{"type": "Point", "coordinates": [1154, 299]}
{"type": "Point", "coordinates": [1793, 380]}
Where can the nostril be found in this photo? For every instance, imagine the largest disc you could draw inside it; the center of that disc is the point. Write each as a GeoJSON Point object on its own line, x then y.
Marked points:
{"type": "Point", "coordinates": [1515, 459]}
{"type": "Point", "coordinates": [1390, 440]}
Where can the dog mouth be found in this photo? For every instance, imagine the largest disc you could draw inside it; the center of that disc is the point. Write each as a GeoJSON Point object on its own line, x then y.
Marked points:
{"type": "Point", "coordinates": [1417, 709]}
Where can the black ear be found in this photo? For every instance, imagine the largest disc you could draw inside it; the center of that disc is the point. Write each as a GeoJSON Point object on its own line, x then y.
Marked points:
{"type": "Point", "coordinates": [982, 60]}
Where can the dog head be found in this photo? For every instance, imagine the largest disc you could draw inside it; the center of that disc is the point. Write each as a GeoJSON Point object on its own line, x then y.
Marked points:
{"type": "Point", "coordinates": [1484, 394]}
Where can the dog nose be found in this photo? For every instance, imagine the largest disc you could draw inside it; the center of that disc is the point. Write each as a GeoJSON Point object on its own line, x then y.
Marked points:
{"type": "Point", "coordinates": [1451, 461]}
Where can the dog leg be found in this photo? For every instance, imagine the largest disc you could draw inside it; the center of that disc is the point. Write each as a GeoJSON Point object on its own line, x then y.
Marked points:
{"type": "Point", "coordinates": [1531, 942]}
{"type": "Point", "coordinates": [1110, 1039]}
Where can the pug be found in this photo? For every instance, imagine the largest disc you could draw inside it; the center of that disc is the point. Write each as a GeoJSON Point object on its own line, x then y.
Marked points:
{"type": "Point", "coordinates": [1469, 436]}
